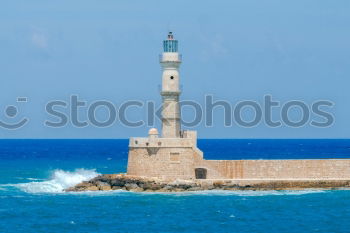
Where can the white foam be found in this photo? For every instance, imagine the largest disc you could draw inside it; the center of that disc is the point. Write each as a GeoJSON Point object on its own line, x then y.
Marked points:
{"type": "Point", "coordinates": [34, 179]}
{"type": "Point", "coordinates": [202, 193]}
{"type": "Point", "coordinates": [238, 193]}
{"type": "Point", "coordinates": [59, 181]}
{"type": "Point", "coordinates": [99, 193]}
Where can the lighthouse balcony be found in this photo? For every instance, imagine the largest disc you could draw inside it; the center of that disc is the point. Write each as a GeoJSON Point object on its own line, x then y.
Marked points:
{"type": "Point", "coordinates": [170, 58]}
{"type": "Point", "coordinates": [187, 139]}
{"type": "Point", "coordinates": [147, 142]}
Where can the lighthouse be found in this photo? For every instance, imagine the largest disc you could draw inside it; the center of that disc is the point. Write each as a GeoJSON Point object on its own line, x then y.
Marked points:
{"type": "Point", "coordinates": [170, 61]}
{"type": "Point", "coordinates": [174, 153]}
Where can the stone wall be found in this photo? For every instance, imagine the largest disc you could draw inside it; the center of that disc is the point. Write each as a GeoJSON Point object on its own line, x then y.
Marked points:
{"type": "Point", "coordinates": [180, 163]}
{"type": "Point", "coordinates": [166, 163]}
{"type": "Point", "coordinates": [167, 158]}
{"type": "Point", "coordinates": [277, 169]}
{"type": "Point", "coordinates": [177, 158]}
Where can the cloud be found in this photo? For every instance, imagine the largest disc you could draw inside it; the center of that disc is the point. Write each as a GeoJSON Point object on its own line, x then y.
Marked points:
{"type": "Point", "coordinates": [40, 40]}
{"type": "Point", "coordinates": [218, 45]}
{"type": "Point", "coordinates": [214, 46]}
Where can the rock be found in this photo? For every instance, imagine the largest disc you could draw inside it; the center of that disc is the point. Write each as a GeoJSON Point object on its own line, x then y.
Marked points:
{"type": "Point", "coordinates": [138, 189]}
{"type": "Point", "coordinates": [194, 189]}
{"type": "Point", "coordinates": [144, 184]}
{"type": "Point", "coordinates": [148, 190]}
{"type": "Point", "coordinates": [117, 188]}
{"type": "Point", "coordinates": [104, 186]}
{"type": "Point", "coordinates": [178, 190]}
{"type": "Point", "coordinates": [130, 186]}
{"type": "Point", "coordinates": [168, 187]}
{"type": "Point", "coordinates": [84, 186]}
{"type": "Point", "coordinates": [163, 190]}
{"type": "Point", "coordinates": [117, 182]}
{"type": "Point", "coordinates": [91, 188]}
{"type": "Point", "coordinates": [218, 184]}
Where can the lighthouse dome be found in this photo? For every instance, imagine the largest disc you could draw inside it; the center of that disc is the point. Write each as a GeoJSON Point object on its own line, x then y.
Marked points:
{"type": "Point", "coordinates": [153, 131]}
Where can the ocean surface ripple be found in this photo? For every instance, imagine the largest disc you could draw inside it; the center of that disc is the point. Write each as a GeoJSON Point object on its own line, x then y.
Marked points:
{"type": "Point", "coordinates": [33, 174]}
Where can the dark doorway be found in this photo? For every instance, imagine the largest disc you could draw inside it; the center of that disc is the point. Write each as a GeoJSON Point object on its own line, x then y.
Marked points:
{"type": "Point", "coordinates": [201, 173]}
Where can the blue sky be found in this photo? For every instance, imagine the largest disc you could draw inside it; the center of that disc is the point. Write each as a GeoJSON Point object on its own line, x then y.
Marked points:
{"type": "Point", "coordinates": [233, 50]}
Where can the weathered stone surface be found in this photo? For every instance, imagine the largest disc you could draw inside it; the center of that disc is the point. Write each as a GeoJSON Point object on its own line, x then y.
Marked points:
{"type": "Point", "coordinates": [91, 188]}
{"type": "Point", "coordinates": [144, 184]}
{"type": "Point", "coordinates": [85, 186]}
{"type": "Point", "coordinates": [103, 185]}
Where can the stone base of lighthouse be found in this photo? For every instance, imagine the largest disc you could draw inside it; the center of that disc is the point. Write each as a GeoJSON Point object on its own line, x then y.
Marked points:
{"type": "Point", "coordinates": [179, 158]}
{"type": "Point", "coordinates": [167, 158]}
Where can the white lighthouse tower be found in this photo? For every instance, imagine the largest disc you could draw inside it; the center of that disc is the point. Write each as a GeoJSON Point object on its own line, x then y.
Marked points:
{"type": "Point", "coordinates": [174, 155]}
{"type": "Point", "coordinates": [170, 61]}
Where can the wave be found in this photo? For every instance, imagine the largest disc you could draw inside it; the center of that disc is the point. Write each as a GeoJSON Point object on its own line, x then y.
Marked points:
{"type": "Point", "coordinates": [59, 181]}
{"type": "Point", "coordinates": [201, 193]}
{"type": "Point", "coordinates": [29, 178]}
{"type": "Point", "coordinates": [249, 193]}
{"type": "Point", "coordinates": [34, 179]}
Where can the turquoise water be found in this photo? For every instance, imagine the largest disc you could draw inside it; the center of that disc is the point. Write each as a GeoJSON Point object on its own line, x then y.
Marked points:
{"type": "Point", "coordinates": [34, 172]}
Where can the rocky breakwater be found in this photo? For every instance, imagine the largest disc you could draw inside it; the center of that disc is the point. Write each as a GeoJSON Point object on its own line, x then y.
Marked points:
{"type": "Point", "coordinates": [145, 184]}
{"type": "Point", "coordinates": [133, 183]}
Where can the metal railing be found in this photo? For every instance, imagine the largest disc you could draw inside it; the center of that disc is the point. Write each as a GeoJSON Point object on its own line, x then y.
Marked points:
{"type": "Point", "coordinates": [178, 58]}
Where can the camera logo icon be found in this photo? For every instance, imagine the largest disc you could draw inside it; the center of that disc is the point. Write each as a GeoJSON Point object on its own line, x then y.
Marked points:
{"type": "Point", "coordinates": [11, 111]}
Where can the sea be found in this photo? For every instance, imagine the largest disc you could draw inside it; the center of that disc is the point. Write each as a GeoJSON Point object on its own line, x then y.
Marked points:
{"type": "Point", "coordinates": [33, 174]}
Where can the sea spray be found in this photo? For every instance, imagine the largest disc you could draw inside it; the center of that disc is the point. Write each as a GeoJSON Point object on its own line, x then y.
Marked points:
{"type": "Point", "coordinates": [59, 181]}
